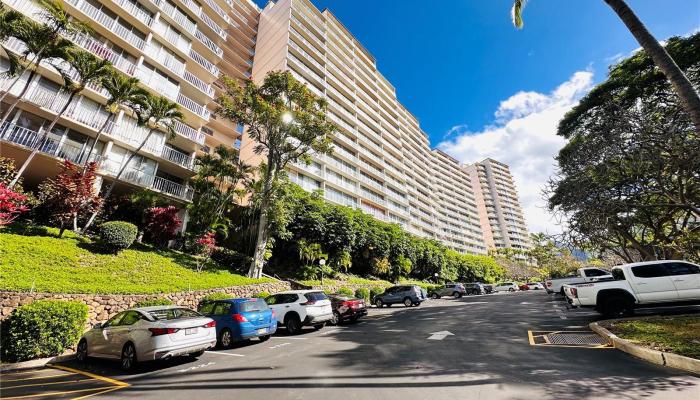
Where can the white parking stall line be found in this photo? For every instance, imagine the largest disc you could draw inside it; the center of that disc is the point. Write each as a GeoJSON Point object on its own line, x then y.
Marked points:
{"type": "Point", "coordinates": [277, 346]}
{"type": "Point", "coordinates": [330, 331]}
{"type": "Point", "coordinates": [225, 354]}
{"type": "Point", "coordinates": [288, 338]}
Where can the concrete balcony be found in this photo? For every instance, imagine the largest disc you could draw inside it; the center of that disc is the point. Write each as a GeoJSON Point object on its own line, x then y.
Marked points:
{"type": "Point", "coordinates": [30, 140]}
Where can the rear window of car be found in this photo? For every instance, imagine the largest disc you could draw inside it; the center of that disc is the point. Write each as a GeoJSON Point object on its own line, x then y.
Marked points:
{"type": "Point", "coordinates": [618, 275]}
{"type": "Point", "coordinates": [595, 272]}
{"type": "Point", "coordinates": [174, 313]}
{"type": "Point", "coordinates": [316, 296]}
{"type": "Point", "coordinates": [253, 305]}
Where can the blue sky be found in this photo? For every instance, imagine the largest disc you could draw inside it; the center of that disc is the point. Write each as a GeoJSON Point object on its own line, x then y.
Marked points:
{"type": "Point", "coordinates": [480, 88]}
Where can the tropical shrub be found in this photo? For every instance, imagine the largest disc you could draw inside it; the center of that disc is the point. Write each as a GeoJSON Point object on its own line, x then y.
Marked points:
{"type": "Point", "coordinates": [153, 302]}
{"type": "Point", "coordinates": [12, 204]}
{"type": "Point", "coordinates": [262, 295]}
{"type": "Point", "coordinates": [44, 328]}
{"type": "Point", "coordinates": [362, 293]}
{"type": "Point", "coordinates": [162, 224]}
{"type": "Point", "coordinates": [116, 236]}
{"type": "Point", "coordinates": [231, 259]}
{"type": "Point", "coordinates": [346, 291]}
{"type": "Point", "coordinates": [68, 195]}
{"type": "Point", "coordinates": [215, 296]}
{"type": "Point", "coordinates": [206, 245]}
{"type": "Point", "coordinates": [373, 292]}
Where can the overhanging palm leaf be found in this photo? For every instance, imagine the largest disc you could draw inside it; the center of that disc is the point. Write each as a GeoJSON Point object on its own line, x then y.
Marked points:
{"type": "Point", "coordinates": [516, 13]}
{"type": "Point", "coordinates": [58, 19]}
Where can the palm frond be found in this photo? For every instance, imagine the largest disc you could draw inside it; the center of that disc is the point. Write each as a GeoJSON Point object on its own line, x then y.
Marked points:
{"type": "Point", "coordinates": [15, 64]}
{"type": "Point", "coordinates": [516, 13]}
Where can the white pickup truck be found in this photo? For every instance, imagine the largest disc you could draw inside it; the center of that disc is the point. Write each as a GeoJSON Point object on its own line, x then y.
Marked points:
{"type": "Point", "coordinates": [583, 275]}
{"type": "Point", "coordinates": [645, 284]}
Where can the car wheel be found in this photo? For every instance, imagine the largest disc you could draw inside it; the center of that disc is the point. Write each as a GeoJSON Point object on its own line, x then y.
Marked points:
{"type": "Point", "coordinates": [407, 302]}
{"type": "Point", "coordinates": [457, 295]}
{"type": "Point", "coordinates": [379, 303]}
{"type": "Point", "coordinates": [434, 296]}
{"type": "Point", "coordinates": [264, 338]}
{"type": "Point", "coordinates": [337, 319]}
{"type": "Point", "coordinates": [197, 354]}
{"type": "Point", "coordinates": [293, 324]}
{"type": "Point", "coordinates": [225, 339]}
{"type": "Point", "coordinates": [617, 306]}
{"type": "Point", "coordinates": [511, 290]}
{"type": "Point", "coordinates": [81, 353]}
{"type": "Point", "coordinates": [128, 357]}
{"type": "Point", "coordinates": [319, 326]}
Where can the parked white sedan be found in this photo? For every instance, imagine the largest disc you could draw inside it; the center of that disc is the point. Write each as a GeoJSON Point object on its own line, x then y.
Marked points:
{"type": "Point", "coordinates": [149, 333]}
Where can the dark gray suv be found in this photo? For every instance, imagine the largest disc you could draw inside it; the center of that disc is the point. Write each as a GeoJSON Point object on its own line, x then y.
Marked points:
{"type": "Point", "coordinates": [408, 295]}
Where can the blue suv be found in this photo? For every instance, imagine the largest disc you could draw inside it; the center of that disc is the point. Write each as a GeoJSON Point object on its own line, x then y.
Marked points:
{"type": "Point", "coordinates": [240, 319]}
{"type": "Point", "coordinates": [408, 295]}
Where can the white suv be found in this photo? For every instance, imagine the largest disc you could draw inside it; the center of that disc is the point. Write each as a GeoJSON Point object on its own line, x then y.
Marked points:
{"type": "Point", "coordinates": [298, 308]}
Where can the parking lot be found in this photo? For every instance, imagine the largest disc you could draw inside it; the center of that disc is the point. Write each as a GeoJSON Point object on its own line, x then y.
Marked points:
{"type": "Point", "coordinates": [470, 348]}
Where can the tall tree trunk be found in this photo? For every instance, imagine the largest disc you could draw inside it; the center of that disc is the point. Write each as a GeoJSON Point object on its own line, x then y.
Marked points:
{"type": "Point", "coordinates": [256, 266]}
{"type": "Point", "coordinates": [116, 179]}
{"type": "Point", "coordinates": [97, 139]}
{"type": "Point", "coordinates": [12, 106]}
{"type": "Point", "coordinates": [685, 90]}
{"type": "Point", "coordinates": [44, 135]}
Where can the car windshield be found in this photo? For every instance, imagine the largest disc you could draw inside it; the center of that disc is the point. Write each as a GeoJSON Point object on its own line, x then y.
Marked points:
{"type": "Point", "coordinates": [173, 313]}
{"type": "Point", "coordinates": [254, 305]}
{"type": "Point", "coordinates": [316, 296]}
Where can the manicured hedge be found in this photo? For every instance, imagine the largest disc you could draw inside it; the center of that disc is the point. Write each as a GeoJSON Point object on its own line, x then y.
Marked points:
{"type": "Point", "coordinates": [153, 302]}
{"type": "Point", "coordinates": [44, 328]}
{"type": "Point", "coordinates": [117, 235]}
{"type": "Point", "coordinates": [346, 291]}
{"type": "Point", "coordinates": [215, 296]}
{"type": "Point", "coordinates": [377, 290]}
{"type": "Point", "coordinates": [362, 293]}
{"type": "Point", "coordinates": [262, 295]}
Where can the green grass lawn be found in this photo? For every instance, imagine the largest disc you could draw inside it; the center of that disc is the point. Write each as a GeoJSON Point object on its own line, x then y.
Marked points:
{"type": "Point", "coordinates": [35, 259]}
{"type": "Point", "coordinates": [679, 335]}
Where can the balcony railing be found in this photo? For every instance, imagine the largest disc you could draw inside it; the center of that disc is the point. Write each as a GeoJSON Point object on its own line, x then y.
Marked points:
{"type": "Point", "coordinates": [189, 132]}
{"type": "Point", "coordinates": [193, 106]}
{"type": "Point", "coordinates": [142, 178]}
{"type": "Point", "coordinates": [176, 15]}
{"type": "Point", "coordinates": [209, 43]}
{"type": "Point", "coordinates": [31, 140]}
{"type": "Point", "coordinates": [199, 59]}
{"type": "Point", "coordinates": [135, 11]}
{"type": "Point", "coordinates": [108, 22]}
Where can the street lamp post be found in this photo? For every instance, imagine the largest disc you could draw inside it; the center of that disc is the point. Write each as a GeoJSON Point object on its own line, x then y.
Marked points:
{"type": "Point", "coordinates": [321, 263]}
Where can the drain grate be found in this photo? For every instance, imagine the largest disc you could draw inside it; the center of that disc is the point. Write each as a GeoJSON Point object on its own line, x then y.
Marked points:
{"type": "Point", "coordinates": [585, 339]}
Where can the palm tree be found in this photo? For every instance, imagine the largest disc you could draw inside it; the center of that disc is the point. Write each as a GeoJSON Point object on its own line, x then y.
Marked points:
{"type": "Point", "coordinates": [9, 21]}
{"type": "Point", "coordinates": [43, 40]}
{"type": "Point", "coordinates": [123, 92]}
{"type": "Point", "coordinates": [690, 100]}
{"type": "Point", "coordinates": [155, 113]}
{"type": "Point", "coordinates": [35, 37]}
{"type": "Point", "coordinates": [83, 69]}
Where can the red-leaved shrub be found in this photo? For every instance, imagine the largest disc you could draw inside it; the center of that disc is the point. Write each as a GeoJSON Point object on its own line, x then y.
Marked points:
{"type": "Point", "coordinates": [162, 224]}
{"type": "Point", "coordinates": [11, 205]}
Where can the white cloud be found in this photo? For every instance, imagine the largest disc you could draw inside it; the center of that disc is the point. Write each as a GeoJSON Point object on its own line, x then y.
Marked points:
{"type": "Point", "coordinates": [524, 137]}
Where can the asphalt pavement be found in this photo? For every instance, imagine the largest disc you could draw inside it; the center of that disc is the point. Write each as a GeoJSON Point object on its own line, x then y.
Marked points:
{"type": "Point", "coordinates": [477, 347]}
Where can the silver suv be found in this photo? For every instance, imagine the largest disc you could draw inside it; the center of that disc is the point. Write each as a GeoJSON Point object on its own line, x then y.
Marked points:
{"type": "Point", "coordinates": [455, 290]}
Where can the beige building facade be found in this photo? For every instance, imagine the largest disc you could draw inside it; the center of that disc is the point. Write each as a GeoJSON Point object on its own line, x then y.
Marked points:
{"type": "Point", "coordinates": [500, 213]}
{"type": "Point", "coordinates": [176, 48]}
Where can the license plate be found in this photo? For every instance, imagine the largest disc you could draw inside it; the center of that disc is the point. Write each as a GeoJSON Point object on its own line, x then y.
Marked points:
{"type": "Point", "coordinates": [262, 331]}
{"type": "Point", "coordinates": [190, 331]}
{"type": "Point", "coordinates": [360, 306]}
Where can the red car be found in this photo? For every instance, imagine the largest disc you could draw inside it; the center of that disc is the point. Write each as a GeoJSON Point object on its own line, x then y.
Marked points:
{"type": "Point", "coordinates": [524, 286]}
{"type": "Point", "coordinates": [346, 308]}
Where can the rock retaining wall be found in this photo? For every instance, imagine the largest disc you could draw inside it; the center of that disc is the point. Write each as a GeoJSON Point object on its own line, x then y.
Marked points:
{"type": "Point", "coordinates": [103, 306]}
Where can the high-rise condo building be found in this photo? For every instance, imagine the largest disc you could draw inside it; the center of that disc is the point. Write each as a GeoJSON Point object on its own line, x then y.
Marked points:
{"type": "Point", "coordinates": [382, 162]}
{"type": "Point", "coordinates": [500, 213]}
{"type": "Point", "coordinates": [176, 48]}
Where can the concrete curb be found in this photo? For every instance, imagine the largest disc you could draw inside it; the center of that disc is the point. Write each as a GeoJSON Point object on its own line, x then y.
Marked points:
{"type": "Point", "coordinates": [31, 364]}
{"type": "Point", "coordinates": [654, 356]}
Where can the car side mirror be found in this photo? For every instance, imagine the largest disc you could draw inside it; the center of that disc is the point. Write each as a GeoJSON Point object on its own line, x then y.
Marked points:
{"type": "Point", "coordinates": [97, 326]}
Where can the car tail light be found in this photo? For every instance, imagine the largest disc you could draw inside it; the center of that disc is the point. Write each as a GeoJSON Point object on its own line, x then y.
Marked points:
{"type": "Point", "coordinates": [239, 318]}
{"type": "Point", "coordinates": [274, 314]}
{"type": "Point", "coordinates": [162, 331]}
{"type": "Point", "coordinates": [549, 283]}
{"type": "Point", "coordinates": [574, 292]}
{"type": "Point", "coordinates": [211, 324]}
